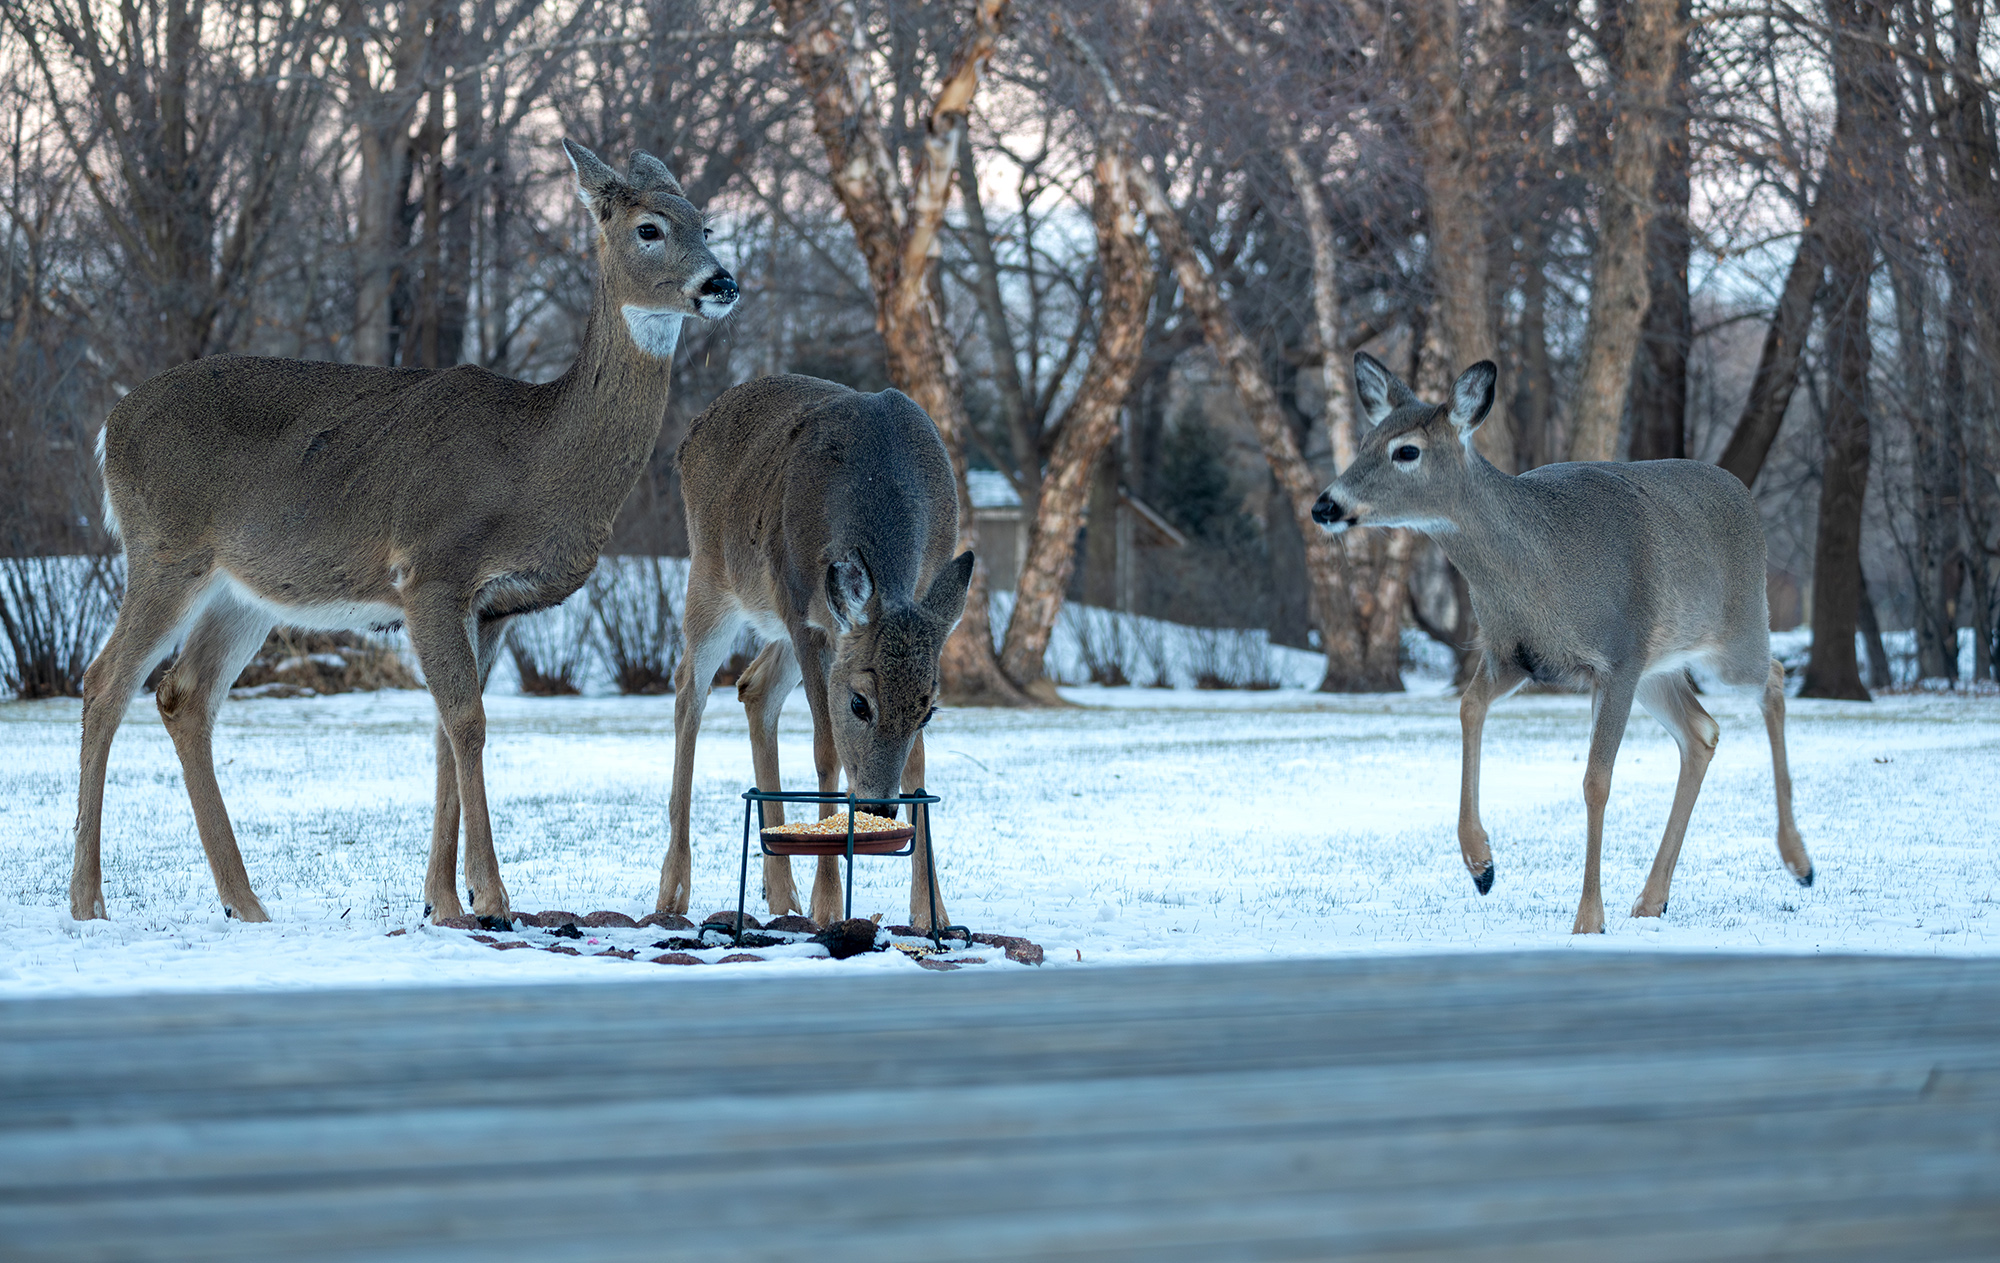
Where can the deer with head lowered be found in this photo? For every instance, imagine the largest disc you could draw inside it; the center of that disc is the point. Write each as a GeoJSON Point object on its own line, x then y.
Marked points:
{"type": "Point", "coordinates": [1622, 575]}
{"type": "Point", "coordinates": [251, 492]}
{"type": "Point", "coordinates": [824, 519]}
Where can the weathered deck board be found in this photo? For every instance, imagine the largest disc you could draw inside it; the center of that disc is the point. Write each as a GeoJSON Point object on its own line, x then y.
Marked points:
{"type": "Point", "coordinates": [1531, 1107]}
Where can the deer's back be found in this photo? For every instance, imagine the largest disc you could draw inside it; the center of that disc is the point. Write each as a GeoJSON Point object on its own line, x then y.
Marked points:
{"type": "Point", "coordinates": [313, 480]}
{"type": "Point", "coordinates": [291, 425]}
{"type": "Point", "coordinates": [782, 472]}
{"type": "Point", "coordinates": [1651, 563]}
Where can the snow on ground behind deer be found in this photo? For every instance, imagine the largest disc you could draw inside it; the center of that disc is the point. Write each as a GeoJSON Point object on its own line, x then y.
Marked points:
{"type": "Point", "coordinates": [1142, 825]}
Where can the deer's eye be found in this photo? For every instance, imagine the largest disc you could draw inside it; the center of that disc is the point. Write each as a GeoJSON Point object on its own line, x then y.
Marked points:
{"type": "Point", "coordinates": [932, 714]}
{"type": "Point", "coordinates": [1407, 453]}
{"type": "Point", "coordinates": [706, 233]}
{"type": "Point", "coordinates": [649, 232]}
{"type": "Point", "coordinates": [859, 705]}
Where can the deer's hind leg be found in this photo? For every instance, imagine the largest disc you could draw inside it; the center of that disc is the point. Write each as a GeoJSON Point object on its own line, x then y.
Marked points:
{"type": "Point", "coordinates": [1791, 847]}
{"type": "Point", "coordinates": [1670, 699]}
{"type": "Point", "coordinates": [1489, 683]}
{"type": "Point", "coordinates": [191, 693]}
{"type": "Point", "coordinates": [158, 600]}
{"type": "Point", "coordinates": [763, 688]}
{"type": "Point", "coordinates": [440, 884]}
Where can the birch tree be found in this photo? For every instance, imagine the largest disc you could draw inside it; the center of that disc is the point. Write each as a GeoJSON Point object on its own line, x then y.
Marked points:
{"type": "Point", "coordinates": [1651, 33]}
{"type": "Point", "coordinates": [1090, 423]}
{"type": "Point", "coordinates": [896, 226]}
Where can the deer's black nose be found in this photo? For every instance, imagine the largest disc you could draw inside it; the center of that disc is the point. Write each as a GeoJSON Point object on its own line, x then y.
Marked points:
{"type": "Point", "coordinates": [720, 286]}
{"type": "Point", "coordinates": [1325, 511]}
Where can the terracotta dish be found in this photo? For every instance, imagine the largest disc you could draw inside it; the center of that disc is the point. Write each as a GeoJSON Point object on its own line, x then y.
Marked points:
{"type": "Point", "coordinates": [873, 835]}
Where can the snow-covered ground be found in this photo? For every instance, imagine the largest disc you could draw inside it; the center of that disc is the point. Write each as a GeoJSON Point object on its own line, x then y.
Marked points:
{"type": "Point", "coordinates": [1140, 825]}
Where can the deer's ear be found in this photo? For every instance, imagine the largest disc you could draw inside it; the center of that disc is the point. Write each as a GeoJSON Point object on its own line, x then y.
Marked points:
{"type": "Point", "coordinates": [1472, 397]}
{"type": "Point", "coordinates": [849, 588]}
{"type": "Point", "coordinates": [593, 178]}
{"type": "Point", "coordinates": [946, 599]}
{"type": "Point", "coordinates": [1379, 391]}
{"type": "Point", "coordinates": [649, 173]}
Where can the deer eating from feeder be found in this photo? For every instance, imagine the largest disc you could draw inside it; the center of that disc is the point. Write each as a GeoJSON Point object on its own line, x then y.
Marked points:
{"type": "Point", "coordinates": [824, 519]}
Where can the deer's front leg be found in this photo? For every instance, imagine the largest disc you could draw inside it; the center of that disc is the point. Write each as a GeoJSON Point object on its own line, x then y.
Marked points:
{"type": "Point", "coordinates": [1472, 707]}
{"type": "Point", "coordinates": [441, 631]}
{"type": "Point", "coordinates": [709, 632]}
{"type": "Point", "coordinates": [1610, 707]}
{"type": "Point", "coordinates": [762, 689]}
{"type": "Point", "coordinates": [826, 903]}
{"type": "Point", "coordinates": [440, 878]}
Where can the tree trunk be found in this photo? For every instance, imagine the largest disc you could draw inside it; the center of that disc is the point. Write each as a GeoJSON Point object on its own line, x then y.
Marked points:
{"type": "Point", "coordinates": [1653, 32]}
{"type": "Point", "coordinates": [1375, 564]}
{"type": "Point", "coordinates": [896, 232]}
{"type": "Point", "coordinates": [1455, 215]}
{"type": "Point", "coordinates": [1534, 384]}
{"type": "Point", "coordinates": [1332, 610]}
{"type": "Point", "coordinates": [1862, 88]}
{"type": "Point", "coordinates": [1000, 337]}
{"type": "Point", "coordinates": [382, 112]}
{"type": "Point", "coordinates": [460, 198]}
{"type": "Point", "coordinates": [1777, 373]}
{"type": "Point", "coordinates": [1970, 199]}
{"type": "Point", "coordinates": [1936, 571]}
{"type": "Point", "coordinates": [1879, 675]}
{"type": "Point", "coordinates": [1832, 670]}
{"type": "Point", "coordinates": [1090, 423]}
{"type": "Point", "coordinates": [1659, 371]}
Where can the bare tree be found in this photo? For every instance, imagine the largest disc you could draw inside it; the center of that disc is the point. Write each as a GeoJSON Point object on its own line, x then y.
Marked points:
{"type": "Point", "coordinates": [1864, 87]}
{"type": "Point", "coordinates": [1425, 38]}
{"type": "Point", "coordinates": [186, 122]}
{"type": "Point", "coordinates": [1090, 422]}
{"type": "Point", "coordinates": [1649, 46]}
{"type": "Point", "coordinates": [896, 226]}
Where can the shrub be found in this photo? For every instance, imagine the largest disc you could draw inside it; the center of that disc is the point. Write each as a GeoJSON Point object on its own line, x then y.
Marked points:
{"type": "Point", "coordinates": [638, 623]}
{"type": "Point", "coordinates": [548, 653]}
{"type": "Point", "coordinates": [1229, 658]}
{"type": "Point", "coordinates": [1102, 643]}
{"type": "Point", "coordinates": [55, 613]}
{"type": "Point", "coordinates": [295, 663]}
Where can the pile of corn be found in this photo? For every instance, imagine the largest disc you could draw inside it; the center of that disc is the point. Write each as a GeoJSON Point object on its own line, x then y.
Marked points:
{"type": "Point", "coordinates": [864, 822]}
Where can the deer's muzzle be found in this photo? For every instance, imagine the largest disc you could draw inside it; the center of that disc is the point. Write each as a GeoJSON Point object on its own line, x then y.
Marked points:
{"type": "Point", "coordinates": [1330, 515]}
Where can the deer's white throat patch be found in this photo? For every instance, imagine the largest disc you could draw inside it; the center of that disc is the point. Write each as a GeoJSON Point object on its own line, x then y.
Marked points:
{"type": "Point", "coordinates": [656, 333]}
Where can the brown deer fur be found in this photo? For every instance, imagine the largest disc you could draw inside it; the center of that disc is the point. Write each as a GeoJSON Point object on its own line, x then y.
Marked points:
{"type": "Point", "coordinates": [825, 519]}
{"type": "Point", "coordinates": [252, 492]}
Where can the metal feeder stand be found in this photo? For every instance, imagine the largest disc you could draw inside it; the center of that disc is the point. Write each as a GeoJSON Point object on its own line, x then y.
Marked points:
{"type": "Point", "coordinates": [919, 804]}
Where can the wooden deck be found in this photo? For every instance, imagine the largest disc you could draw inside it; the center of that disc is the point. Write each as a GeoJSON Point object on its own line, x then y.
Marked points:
{"type": "Point", "coordinates": [1555, 1107]}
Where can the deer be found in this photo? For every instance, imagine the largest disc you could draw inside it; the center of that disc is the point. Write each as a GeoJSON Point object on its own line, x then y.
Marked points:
{"type": "Point", "coordinates": [1621, 575]}
{"type": "Point", "coordinates": [824, 520]}
{"type": "Point", "coordinates": [250, 492]}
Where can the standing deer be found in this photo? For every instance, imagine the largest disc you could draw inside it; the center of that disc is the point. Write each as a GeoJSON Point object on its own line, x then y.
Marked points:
{"type": "Point", "coordinates": [251, 492]}
{"type": "Point", "coordinates": [1620, 574]}
{"type": "Point", "coordinates": [824, 519]}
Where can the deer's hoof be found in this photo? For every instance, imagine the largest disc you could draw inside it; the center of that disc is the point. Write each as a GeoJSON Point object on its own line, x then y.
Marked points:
{"type": "Point", "coordinates": [1805, 878]}
{"type": "Point", "coordinates": [1482, 878]}
{"type": "Point", "coordinates": [251, 911]}
{"type": "Point", "coordinates": [502, 923]}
